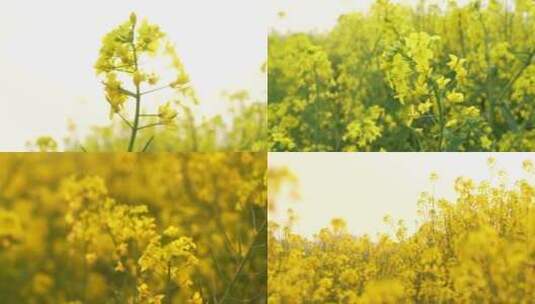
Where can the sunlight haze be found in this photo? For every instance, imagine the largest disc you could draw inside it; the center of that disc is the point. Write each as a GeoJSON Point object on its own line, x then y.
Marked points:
{"type": "Point", "coordinates": [320, 15]}
{"type": "Point", "coordinates": [48, 49]}
{"type": "Point", "coordinates": [364, 187]}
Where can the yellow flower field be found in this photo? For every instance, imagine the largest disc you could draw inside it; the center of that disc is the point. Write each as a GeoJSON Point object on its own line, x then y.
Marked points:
{"type": "Point", "coordinates": [133, 228]}
{"type": "Point", "coordinates": [434, 76]}
{"type": "Point", "coordinates": [477, 249]}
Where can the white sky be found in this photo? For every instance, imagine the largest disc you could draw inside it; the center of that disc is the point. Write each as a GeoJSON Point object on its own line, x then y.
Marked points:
{"type": "Point", "coordinates": [320, 15]}
{"type": "Point", "coordinates": [48, 48]}
{"type": "Point", "coordinates": [363, 187]}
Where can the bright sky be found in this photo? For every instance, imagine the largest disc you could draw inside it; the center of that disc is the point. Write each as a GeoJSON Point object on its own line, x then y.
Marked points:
{"type": "Point", "coordinates": [319, 15]}
{"type": "Point", "coordinates": [363, 187]}
{"type": "Point", "coordinates": [48, 48]}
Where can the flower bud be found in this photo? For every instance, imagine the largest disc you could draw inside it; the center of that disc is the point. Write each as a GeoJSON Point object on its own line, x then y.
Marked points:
{"type": "Point", "coordinates": [181, 80]}
{"type": "Point", "coordinates": [138, 77]}
{"type": "Point", "coordinates": [133, 18]}
{"type": "Point", "coordinates": [166, 112]}
{"type": "Point", "coordinates": [455, 97]}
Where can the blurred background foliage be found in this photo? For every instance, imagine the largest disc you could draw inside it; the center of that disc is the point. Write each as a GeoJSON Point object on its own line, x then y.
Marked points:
{"type": "Point", "coordinates": [217, 199]}
{"type": "Point", "coordinates": [478, 248]}
{"type": "Point", "coordinates": [243, 128]}
{"type": "Point", "coordinates": [435, 76]}
{"type": "Point", "coordinates": [155, 107]}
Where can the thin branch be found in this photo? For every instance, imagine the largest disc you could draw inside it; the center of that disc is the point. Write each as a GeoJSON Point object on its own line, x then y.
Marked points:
{"type": "Point", "coordinates": [517, 75]}
{"type": "Point", "coordinates": [125, 71]}
{"type": "Point", "coordinates": [242, 264]}
{"type": "Point", "coordinates": [137, 95]}
{"type": "Point", "coordinates": [155, 90]}
{"type": "Point", "coordinates": [151, 125]}
{"type": "Point", "coordinates": [124, 91]}
{"type": "Point", "coordinates": [115, 67]}
{"type": "Point", "coordinates": [168, 284]}
{"type": "Point", "coordinates": [501, 97]}
{"type": "Point", "coordinates": [125, 120]}
{"type": "Point", "coordinates": [217, 267]}
{"type": "Point", "coordinates": [147, 144]}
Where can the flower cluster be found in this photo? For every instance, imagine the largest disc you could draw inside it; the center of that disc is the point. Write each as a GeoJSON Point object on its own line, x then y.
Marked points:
{"type": "Point", "coordinates": [478, 249]}
{"type": "Point", "coordinates": [127, 235]}
{"type": "Point", "coordinates": [123, 56]}
{"type": "Point", "coordinates": [150, 228]}
{"type": "Point", "coordinates": [10, 229]}
{"type": "Point", "coordinates": [146, 86]}
{"type": "Point", "coordinates": [429, 77]}
{"type": "Point", "coordinates": [245, 131]}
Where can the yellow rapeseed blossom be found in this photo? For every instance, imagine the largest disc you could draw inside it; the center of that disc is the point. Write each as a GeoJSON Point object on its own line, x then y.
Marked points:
{"type": "Point", "coordinates": [115, 97]}
{"type": "Point", "coordinates": [455, 97]}
{"type": "Point", "coordinates": [423, 66]}
{"type": "Point", "coordinates": [166, 112]}
{"type": "Point", "coordinates": [474, 249]}
{"type": "Point", "coordinates": [123, 56]}
{"type": "Point", "coordinates": [46, 144]}
{"type": "Point", "coordinates": [134, 227]}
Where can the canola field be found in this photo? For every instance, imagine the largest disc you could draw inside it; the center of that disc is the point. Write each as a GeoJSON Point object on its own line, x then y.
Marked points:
{"type": "Point", "coordinates": [133, 228]}
{"type": "Point", "coordinates": [437, 76]}
{"type": "Point", "coordinates": [479, 248]}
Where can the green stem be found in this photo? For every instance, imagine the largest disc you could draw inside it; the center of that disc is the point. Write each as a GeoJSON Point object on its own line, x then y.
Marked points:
{"type": "Point", "coordinates": [506, 110]}
{"type": "Point", "coordinates": [136, 122]}
{"type": "Point", "coordinates": [148, 144]}
{"type": "Point", "coordinates": [137, 96]}
{"type": "Point", "coordinates": [316, 109]}
{"type": "Point", "coordinates": [151, 125]}
{"type": "Point", "coordinates": [85, 273]}
{"type": "Point", "coordinates": [242, 264]}
{"type": "Point", "coordinates": [85, 266]}
{"type": "Point", "coordinates": [168, 284]}
{"type": "Point", "coordinates": [156, 89]}
{"type": "Point", "coordinates": [442, 120]}
{"type": "Point", "coordinates": [126, 121]}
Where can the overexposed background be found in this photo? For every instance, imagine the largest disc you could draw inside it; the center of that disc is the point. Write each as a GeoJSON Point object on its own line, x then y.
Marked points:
{"type": "Point", "coordinates": [321, 15]}
{"type": "Point", "coordinates": [364, 187]}
{"type": "Point", "coordinates": [48, 49]}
